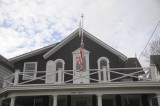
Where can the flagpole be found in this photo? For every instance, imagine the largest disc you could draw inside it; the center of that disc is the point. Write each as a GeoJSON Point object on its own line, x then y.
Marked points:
{"type": "Point", "coordinates": [82, 25]}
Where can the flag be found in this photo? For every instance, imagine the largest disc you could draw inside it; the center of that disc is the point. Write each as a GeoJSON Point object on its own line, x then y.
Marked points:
{"type": "Point", "coordinates": [81, 54]}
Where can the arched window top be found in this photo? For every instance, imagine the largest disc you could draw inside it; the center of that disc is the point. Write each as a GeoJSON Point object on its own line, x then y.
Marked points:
{"type": "Point", "coordinates": [50, 62]}
{"type": "Point", "coordinates": [103, 58]}
{"type": "Point", "coordinates": [59, 60]}
{"type": "Point", "coordinates": [103, 61]}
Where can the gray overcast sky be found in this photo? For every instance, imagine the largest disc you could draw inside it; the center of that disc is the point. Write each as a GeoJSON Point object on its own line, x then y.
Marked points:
{"type": "Point", "coordinates": [126, 25]}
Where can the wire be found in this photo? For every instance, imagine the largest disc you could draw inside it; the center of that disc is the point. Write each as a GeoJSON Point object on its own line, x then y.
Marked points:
{"type": "Point", "coordinates": [149, 39]}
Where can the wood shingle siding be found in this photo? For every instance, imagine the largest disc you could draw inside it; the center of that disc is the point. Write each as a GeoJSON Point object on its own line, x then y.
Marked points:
{"type": "Point", "coordinates": [65, 53]}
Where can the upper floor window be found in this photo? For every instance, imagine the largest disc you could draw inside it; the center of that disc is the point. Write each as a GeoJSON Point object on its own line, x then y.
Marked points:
{"type": "Point", "coordinates": [103, 62]}
{"type": "Point", "coordinates": [29, 70]}
{"type": "Point", "coordinates": [59, 64]}
{"type": "Point", "coordinates": [76, 73]}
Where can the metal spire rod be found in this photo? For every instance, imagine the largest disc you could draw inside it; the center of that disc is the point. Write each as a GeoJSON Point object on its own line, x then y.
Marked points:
{"type": "Point", "coordinates": [82, 24]}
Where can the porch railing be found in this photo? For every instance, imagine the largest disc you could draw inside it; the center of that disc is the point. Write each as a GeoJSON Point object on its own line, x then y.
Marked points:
{"type": "Point", "coordinates": [79, 77]}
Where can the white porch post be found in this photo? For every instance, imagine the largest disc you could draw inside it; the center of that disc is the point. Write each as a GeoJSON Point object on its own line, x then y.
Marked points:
{"type": "Point", "coordinates": [99, 97]}
{"type": "Point", "coordinates": [158, 99]}
{"type": "Point", "coordinates": [12, 103]}
{"type": "Point", "coordinates": [16, 77]}
{"type": "Point", "coordinates": [153, 72]}
{"type": "Point", "coordinates": [54, 100]}
{"type": "Point", "coordinates": [104, 74]}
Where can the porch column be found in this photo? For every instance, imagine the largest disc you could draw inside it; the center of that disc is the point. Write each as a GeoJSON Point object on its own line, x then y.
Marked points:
{"type": "Point", "coordinates": [158, 99]}
{"type": "Point", "coordinates": [99, 97]}
{"type": "Point", "coordinates": [54, 100]}
{"type": "Point", "coordinates": [153, 72]}
{"type": "Point", "coordinates": [12, 103]}
{"type": "Point", "coordinates": [16, 78]}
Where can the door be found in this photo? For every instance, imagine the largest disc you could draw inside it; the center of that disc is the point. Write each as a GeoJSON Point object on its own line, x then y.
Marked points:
{"type": "Point", "coordinates": [81, 76]}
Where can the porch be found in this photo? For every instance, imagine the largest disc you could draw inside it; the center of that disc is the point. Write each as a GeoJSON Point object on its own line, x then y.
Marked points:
{"type": "Point", "coordinates": [98, 88]}
{"type": "Point", "coordinates": [81, 100]}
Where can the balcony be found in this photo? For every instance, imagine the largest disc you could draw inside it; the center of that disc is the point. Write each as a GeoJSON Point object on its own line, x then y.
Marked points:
{"type": "Point", "coordinates": [85, 77]}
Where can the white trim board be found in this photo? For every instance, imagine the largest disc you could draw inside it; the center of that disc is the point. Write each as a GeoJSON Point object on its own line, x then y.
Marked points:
{"type": "Point", "coordinates": [90, 36]}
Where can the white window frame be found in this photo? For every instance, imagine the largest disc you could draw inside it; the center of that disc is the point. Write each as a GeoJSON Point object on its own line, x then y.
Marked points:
{"type": "Point", "coordinates": [85, 73]}
{"type": "Point", "coordinates": [63, 65]}
{"type": "Point", "coordinates": [99, 67]}
{"type": "Point", "coordinates": [35, 71]}
{"type": "Point", "coordinates": [133, 97]}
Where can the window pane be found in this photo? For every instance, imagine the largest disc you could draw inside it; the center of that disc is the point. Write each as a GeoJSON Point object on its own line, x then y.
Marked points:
{"type": "Point", "coordinates": [30, 69]}
{"type": "Point", "coordinates": [59, 65]}
{"type": "Point", "coordinates": [30, 66]}
{"type": "Point", "coordinates": [103, 63]}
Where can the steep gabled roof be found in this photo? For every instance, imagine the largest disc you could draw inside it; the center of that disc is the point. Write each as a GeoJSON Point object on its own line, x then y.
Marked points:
{"type": "Point", "coordinates": [132, 62]}
{"type": "Point", "coordinates": [5, 62]}
{"type": "Point", "coordinates": [73, 35]}
{"type": "Point", "coordinates": [32, 53]}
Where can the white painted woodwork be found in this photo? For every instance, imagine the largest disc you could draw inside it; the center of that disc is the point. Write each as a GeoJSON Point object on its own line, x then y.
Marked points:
{"type": "Point", "coordinates": [60, 76]}
{"type": "Point", "coordinates": [54, 100]}
{"type": "Point", "coordinates": [12, 103]}
{"type": "Point", "coordinates": [59, 71]}
{"type": "Point", "coordinates": [99, 97]}
{"type": "Point", "coordinates": [16, 77]}
{"type": "Point", "coordinates": [153, 72]}
{"type": "Point", "coordinates": [106, 75]}
{"type": "Point", "coordinates": [80, 77]}
{"type": "Point", "coordinates": [50, 69]}
{"type": "Point", "coordinates": [158, 99]}
{"type": "Point", "coordinates": [28, 72]}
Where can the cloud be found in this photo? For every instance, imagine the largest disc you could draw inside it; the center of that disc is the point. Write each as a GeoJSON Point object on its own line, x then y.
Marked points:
{"type": "Point", "coordinates": [27, 25]}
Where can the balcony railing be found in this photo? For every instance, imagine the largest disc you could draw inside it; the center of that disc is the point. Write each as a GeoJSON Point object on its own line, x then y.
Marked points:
{"type": "Point", "coordinates": [85, 77]}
